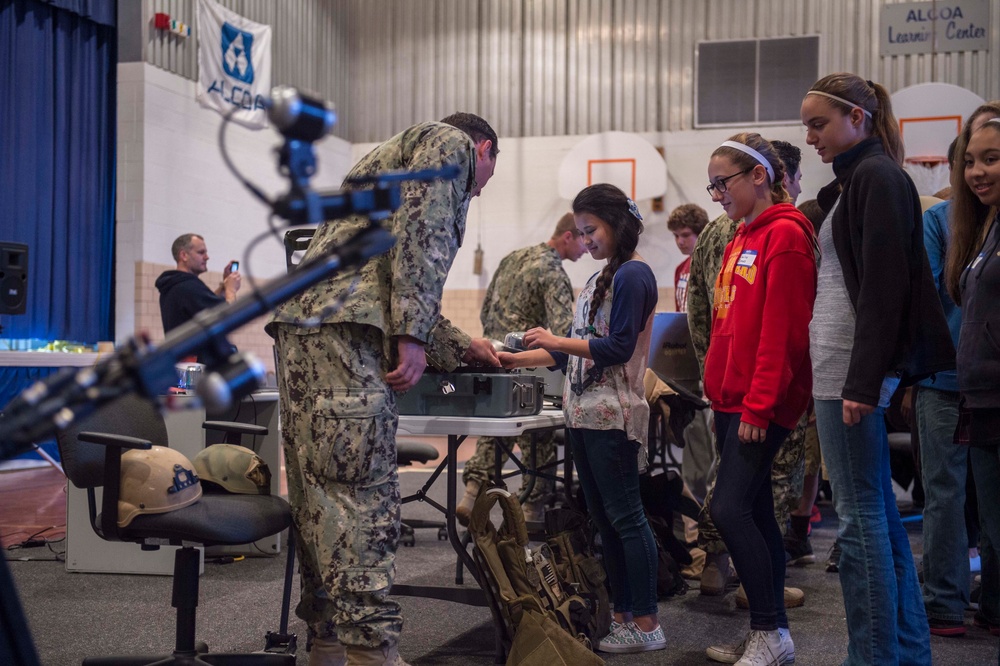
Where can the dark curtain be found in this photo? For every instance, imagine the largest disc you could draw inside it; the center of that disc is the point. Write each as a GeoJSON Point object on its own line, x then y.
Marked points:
{"type": "Point", "coordinates": [58, 65]}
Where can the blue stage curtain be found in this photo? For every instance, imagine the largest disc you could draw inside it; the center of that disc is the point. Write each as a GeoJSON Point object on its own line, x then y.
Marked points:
{"type": "Point", "coordinates": [57, 167]}
{"type": "Point", "coordinates": [58, 82]}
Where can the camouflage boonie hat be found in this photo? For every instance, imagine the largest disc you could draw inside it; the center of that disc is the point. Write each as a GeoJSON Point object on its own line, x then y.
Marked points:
{"type": "Point", "coordinates": [236, 469]}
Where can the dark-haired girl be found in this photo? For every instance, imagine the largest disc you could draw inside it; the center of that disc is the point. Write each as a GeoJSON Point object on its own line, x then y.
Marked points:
{"type": "Point", "coordinates": [974, 281]}
{"type": "Point", "coordinates": [757, 376]}
{"type": "Point", "coordinates": [606, 411]}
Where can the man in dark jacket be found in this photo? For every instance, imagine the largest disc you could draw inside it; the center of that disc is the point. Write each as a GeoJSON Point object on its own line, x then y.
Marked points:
{"type": "Point", "coordinates": [182, 293]}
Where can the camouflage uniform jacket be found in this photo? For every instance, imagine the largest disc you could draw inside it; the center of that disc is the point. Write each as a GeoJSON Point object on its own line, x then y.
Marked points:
{"type": "Point", "coordinates": [529, 288]}
{"type": "Point", "coordinates": [400, 292]}
{"type": "Point", "coordinates": [706, 262]}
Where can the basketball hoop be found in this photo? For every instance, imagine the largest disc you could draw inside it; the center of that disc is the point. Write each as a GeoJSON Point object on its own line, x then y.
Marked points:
{"type": "Point", "coordinates": [926, 161]}
{"type": "Point", "coordinates": [930, 173]}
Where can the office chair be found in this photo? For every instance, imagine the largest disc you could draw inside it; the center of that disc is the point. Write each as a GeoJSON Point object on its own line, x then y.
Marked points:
{"type": "Point", "coordinates": [296, 243]}
{"type": "Point", "coordinates": [91, 453]}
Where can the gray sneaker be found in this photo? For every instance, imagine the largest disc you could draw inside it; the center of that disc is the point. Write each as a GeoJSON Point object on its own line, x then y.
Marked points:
{"type": "Point", "coordinates": [629, 637]}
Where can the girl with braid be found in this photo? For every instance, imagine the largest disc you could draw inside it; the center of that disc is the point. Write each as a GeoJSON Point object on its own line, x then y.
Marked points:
{"type": "Point", "coordinates": [606, 411]}
{"type": "Point", "coordinates": [757, 376]}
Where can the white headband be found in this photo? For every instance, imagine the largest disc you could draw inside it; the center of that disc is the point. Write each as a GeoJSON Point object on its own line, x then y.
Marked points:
{"type": "Point", "coordinates": [841, 100]}
{"type": "Point", "coordinates": [743, 148]}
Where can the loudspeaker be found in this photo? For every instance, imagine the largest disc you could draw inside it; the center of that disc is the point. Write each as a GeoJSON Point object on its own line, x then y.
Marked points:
{"type": "Point", "coordinates": [13, 278]}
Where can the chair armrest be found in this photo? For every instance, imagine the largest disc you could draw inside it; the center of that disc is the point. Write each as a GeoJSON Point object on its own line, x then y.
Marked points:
{"type": "Point", "coordinates": [120, 441]}
{"type": "Point", "coordinates": [231, 427]}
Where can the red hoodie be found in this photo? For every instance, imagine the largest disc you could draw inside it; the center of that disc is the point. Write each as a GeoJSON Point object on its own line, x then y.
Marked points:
{"type": "Point", "coordinates": [758, 358]}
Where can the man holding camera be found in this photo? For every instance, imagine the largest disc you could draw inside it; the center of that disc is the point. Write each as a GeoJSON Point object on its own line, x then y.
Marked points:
{"type": "Point", "coordinates": [182, 293]}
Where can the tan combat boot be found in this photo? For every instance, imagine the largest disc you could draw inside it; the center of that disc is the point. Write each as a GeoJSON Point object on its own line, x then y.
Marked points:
{"type": "Point", "coordinates": [327, 652]}
{"type": "Point", "coordinates": [794, 597]}
{"type": "Point", "coordinates": [366, 656]}
{"type": "Point", "coordinates": [464, 509]}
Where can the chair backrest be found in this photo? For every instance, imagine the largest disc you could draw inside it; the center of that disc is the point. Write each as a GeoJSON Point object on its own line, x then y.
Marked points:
{"type": "Point", "coordinates": [131, 416]}
{"type": "Point", "coordinates": [296, 243]}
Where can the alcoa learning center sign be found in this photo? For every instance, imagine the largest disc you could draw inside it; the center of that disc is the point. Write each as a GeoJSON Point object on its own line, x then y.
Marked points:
{"type": "Point", "coordinates": [934, 27]}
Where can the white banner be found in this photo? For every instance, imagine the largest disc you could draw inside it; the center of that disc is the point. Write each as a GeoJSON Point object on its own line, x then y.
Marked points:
{"type": "Point", "coordinates": [234, 64]}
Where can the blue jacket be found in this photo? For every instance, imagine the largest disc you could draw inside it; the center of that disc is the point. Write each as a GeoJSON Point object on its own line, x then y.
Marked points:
{"type": "Point", "coordinates": [936, 236]}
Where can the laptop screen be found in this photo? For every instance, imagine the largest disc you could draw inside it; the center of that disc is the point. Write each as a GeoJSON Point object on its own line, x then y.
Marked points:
{"type": "Point", "coordinates": [671, 353]}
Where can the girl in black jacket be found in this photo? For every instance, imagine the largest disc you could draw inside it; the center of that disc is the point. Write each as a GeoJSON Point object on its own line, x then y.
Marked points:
{"type": "Point", "coordinates": [877, 323]}
{"type": "Point", "coordinates": [973, 278]}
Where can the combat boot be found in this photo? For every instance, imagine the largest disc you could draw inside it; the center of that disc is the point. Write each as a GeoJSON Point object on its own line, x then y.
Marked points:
{"type": "Point", "coordinates": [358, 655]}
{"type": "Point", "coordinates": [464, 509]}
{"type": "Point", "coordinates": [327, 652]}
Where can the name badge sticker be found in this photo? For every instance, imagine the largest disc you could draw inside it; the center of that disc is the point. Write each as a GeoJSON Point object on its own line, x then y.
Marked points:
{"type": "Point", "coordinates": [747, 258]}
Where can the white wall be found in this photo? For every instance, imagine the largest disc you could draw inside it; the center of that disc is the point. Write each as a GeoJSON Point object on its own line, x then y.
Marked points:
{"type": "Point", "coordinates": [172, 180]}
{"type": "Point", "coordinates": [521, 203]}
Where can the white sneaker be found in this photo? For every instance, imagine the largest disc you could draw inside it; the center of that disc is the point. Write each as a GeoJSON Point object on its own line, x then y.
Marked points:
{"type": "Point", "coordinates": [766, 648]}
{"type": "Point", "coordinates": [730, 654]}
{"type": "Point", "coordinates": [727, 654]}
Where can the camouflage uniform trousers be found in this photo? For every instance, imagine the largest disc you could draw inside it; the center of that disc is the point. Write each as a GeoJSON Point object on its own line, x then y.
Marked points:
{"type": "Point", "coordinates": [787, 473]}
{"type": "Point", "coordinates": [339, 419]}
{"type": "Point", "coordinates": [479, 467]}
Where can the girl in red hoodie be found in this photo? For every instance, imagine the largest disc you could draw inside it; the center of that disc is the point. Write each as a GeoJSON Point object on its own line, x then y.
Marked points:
{"type": "Point", "coordinates": [757, 374]}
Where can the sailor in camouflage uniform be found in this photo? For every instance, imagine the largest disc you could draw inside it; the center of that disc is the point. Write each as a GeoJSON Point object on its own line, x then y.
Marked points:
{"type": "Point", "coordinates": [788, 468]}
{"type": "Point", "coordinates": [343, 347]}
{"type": "Point", "coordinates": [529, 289]}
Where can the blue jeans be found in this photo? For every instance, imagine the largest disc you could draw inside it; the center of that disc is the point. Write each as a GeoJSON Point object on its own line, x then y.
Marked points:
{"type": "Point", "coordinates": [607, 464]}
{"type": "Point", "coordinates": [886, 622]}
{"type": "Point", "coordinates": [986, 470]}
{"type": "Point", "coordinates": [944, 468]}
{"type": "Point", "coordinates": [743, 509]}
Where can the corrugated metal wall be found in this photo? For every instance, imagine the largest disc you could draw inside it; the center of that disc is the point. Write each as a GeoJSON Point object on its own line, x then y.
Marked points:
{"type": "Point", "coordinates": [550, 67]}
{"type": "Point", "coordinates": [309, 44]}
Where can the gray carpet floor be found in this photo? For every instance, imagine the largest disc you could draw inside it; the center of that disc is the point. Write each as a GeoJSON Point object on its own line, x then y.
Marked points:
{"type": "Point", "coordinates": [75, 615]}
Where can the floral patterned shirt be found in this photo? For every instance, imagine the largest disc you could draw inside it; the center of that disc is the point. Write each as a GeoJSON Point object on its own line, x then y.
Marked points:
{"type": "Point", "coordinates": [600, 395]}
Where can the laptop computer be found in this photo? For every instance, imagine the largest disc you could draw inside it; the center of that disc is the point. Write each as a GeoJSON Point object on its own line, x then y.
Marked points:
{"type": "Point", "coordinates": [671, 354]}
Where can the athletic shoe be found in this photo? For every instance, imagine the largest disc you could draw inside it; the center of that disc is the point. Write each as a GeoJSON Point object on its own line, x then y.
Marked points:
{"type": "Point", "coordinates": [946, 627]}
{"type": "Point", "coordinates": [798, 552]}
{"type": "Point", "coordinates": [833, 559]}
{"type": "Point", "coordinates": [730, 654]}
{"type": "Point", "coordinates": [980, 621]}
{"type": "Point", "coordinates": [794, 597]}
{"type": "Point", "coordinates": [629, 637]}
{"type": "Point", "coordinates": [766, 648]}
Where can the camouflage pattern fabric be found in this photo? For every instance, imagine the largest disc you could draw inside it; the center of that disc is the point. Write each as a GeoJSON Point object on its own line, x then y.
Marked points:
{"type": "Point", "coordinates": [338, 428]}
{"type": "Point", "coordinates": [529, 288]}
{"type": "Point", "coordinates": [787, 473]}
{"type": "Point", "coordinates": [398, 292]}
{"type": "Point", "coordinates": [706, 262]}
{"type": "Point", "coordinates": [479, 467]}
{"type": "Point", "coordinates": [335, 342]}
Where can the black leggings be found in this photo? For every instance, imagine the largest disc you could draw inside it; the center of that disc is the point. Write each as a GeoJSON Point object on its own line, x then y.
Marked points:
{"type": "Point", "coordinates": [743, 511]}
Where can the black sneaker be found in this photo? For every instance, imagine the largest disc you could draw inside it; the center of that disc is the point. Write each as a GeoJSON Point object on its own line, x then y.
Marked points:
{"type": "Point", "coordinates": [833, 559]}
{"type": "Point", "coordinates": [798, 552]}
{"type": "Point", "coordinates": [946, 627]}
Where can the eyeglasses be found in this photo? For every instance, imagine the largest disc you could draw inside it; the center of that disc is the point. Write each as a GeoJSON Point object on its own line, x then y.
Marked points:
{"type": "Point", "coordinates": [719, 184]}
